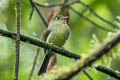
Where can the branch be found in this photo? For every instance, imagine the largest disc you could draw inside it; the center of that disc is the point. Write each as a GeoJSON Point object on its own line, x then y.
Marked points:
{"type": "Point", "coordinates": [57, 4]}
{"type": "Point", "coordinates": [38, 49]}
{"type": "Point", "coordinates": [99, 26]}
{"type": "Point", "coordinates": [89, 60]}
{"type": "Point", "coordinates": [108, 71]}
{"type": "Point", "coordinates": [40, 43]}
{"type": "Point", "coordinates": [92, 10]}
{"type": "Point", "coordinates": [31, 13]}
{"type": "Point", "coordinates": [37, 53]}
{"type": "Point", "coordinates": [74, 2]}
{"type": "Point", "coordinates": [34, 62]}
{"type": "Point", "coordinates": [18, 40]}
{"type": "Point", "coordinates": [38, 11]}
{"type": "Point", "coordinates": [87, 74]}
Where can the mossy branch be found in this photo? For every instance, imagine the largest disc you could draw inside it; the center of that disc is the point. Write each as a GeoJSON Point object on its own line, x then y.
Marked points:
{"type": "Point", "coordinates": [108, 71]}
{"type": "Point", "coordinates": [40, 43]}
{"type": "Point", "coordinates": [89, 60]}
{"type": "Point", "coordinates": [17, 40]}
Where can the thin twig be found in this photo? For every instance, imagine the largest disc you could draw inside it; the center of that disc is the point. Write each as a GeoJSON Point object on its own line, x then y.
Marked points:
{"type": "Point", "coordinates": [34, 62]}
{"type": "Point", "coordinates": [108, 72]}
{"type": "Point", "coordinates": [92, 10]}
{"type": "Point", "coordinates": [38, 11]}
{"type": "Point", "coordinates": [87, 74]}
{"type": "Point", "coordinates": [74, 2]}
{"type": "Point", "coordinates": [65, 1]}
{"type": "Point", "coordinates": [31, 13]}
{"type": "Point", "coordinates": [36, 56]}
{"type": "Point", "coordinates": [17, 40]}
{"type": "Point", "coordinates": [56, 4]}
{"type": "Point", "coordinates": [37, 53]}
{"type": "Point", "coordinates": [99, 26]}
{"type": "Point", "coordinates": [40, 43]}
{"type": "Point", "coordinates": [89, 60]}
{"type": "Point", "coordinates": [46, 24]}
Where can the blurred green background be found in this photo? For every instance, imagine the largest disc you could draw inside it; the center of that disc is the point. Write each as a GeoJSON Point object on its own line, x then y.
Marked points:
{"type": "Point", "coordinates": [79, 41]}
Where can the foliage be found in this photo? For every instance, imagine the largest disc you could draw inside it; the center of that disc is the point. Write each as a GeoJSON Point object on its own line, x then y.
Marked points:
{"type": "Point", "coordinates": [83, 36]}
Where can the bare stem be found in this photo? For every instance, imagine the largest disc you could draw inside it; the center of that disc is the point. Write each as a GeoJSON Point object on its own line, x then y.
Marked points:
{"type": "Point", "coordinates": [34, 63]}
{"type": "Point", "coordinates": [108, 71]}
{"type": "Point", "coordinates": [17, 41]}
{"type": "Point", "coordinates": [38, 11]}
{"type": "Point", "coordinates": [56, 4]}
{"type": "Point", "coordinates": [99, 26]}
{"type": "Point", "coordinates": [74, 2]}
{"type": "Point", "coordinates": [92, 10]}
{"type": "Point", "coordinates": [31, 13]}
{"type": "Point", "coordinates": [87, 74]}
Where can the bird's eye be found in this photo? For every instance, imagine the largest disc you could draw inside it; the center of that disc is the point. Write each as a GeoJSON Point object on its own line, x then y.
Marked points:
{"type": "Point", "coordinates": [57, 17]}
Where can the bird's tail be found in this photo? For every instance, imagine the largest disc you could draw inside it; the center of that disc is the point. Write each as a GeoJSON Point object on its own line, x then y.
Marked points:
{"type": "Point", "coordinates": [44, 64]}
{"type": "Point", "coordinates": [52, 62]}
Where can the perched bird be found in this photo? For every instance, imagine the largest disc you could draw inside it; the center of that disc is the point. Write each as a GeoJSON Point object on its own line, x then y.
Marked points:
{"type": "Point", "coordinates": [58, 34]}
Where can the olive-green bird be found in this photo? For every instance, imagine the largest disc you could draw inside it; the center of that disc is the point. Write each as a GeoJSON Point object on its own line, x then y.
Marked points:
{"type": "Point", "coordinates": [58, 34]}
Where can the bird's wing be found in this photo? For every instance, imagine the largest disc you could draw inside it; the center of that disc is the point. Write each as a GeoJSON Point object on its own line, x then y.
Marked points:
{"type": "Point", "coordinates": [45, 34]}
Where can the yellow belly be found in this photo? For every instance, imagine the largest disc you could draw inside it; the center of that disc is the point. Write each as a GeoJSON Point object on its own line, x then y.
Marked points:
{"type": "Point", "coordinates": [58, 36]}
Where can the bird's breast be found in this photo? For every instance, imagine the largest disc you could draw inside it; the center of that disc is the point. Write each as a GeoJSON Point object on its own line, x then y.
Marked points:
{"type": "Point", "coordinates": [59, 35]}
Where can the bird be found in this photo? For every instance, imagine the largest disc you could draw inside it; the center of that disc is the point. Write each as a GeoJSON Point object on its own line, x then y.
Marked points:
{"type": "Point", "coordinates": [59, 32]}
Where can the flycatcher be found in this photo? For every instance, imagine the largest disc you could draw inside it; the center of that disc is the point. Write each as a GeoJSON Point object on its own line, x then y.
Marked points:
{"type": "Point", "coordinates": [58, 34]}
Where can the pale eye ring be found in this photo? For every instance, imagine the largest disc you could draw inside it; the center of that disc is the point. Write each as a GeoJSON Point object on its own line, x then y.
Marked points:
{"type": "Point", "coordinates": [57, 17]}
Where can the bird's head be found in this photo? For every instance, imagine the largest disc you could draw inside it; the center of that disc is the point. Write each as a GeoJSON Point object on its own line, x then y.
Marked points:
{"type": "Point", "coordinates": [59, 19]}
